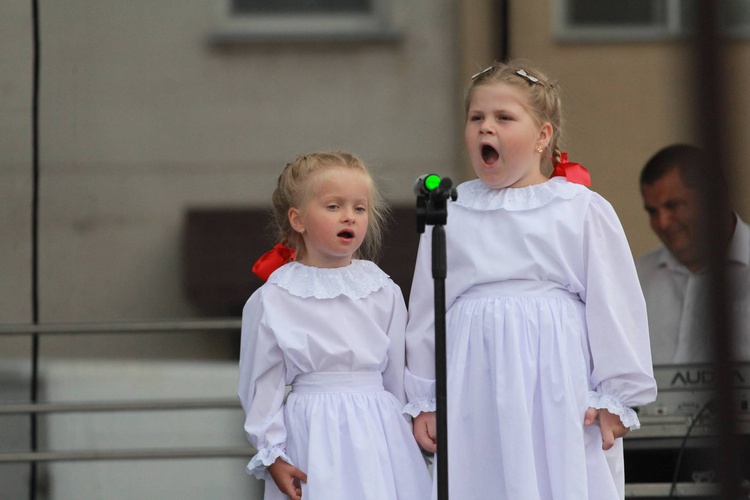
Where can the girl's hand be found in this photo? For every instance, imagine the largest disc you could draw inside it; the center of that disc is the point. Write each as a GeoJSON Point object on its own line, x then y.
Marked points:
{"type": "Point", "coordinates": [287, 478]}
{"type": "Point", "coordinates": [609, 423]}
{"type": "Point", "coordinates": [425, 427]}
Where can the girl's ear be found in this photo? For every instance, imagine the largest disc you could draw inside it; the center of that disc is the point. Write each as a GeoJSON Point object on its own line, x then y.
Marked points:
{"type": "Point", "coordinates": [295, 219]}
{"type": "Point", "coordinates": [545, 135]}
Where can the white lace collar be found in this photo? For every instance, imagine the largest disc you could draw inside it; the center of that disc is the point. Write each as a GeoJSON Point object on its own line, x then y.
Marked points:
{"type": "Point", "coordinates": [356, 281]}
{"type": "Point", "coordinates": [478, 196]}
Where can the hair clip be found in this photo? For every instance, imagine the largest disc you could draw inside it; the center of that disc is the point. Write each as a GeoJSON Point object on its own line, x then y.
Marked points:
{"type": "Point", "coordinates": [530, 78]}
{"type": "Point", "coordinates": [485, 70]}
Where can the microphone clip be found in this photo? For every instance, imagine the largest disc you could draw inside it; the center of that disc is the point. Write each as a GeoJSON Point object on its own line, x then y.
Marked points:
{"type": "Point", "coordinates": [432, 194]}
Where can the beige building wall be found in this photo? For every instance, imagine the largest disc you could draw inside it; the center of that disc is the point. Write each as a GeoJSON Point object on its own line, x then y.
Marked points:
{"type": "Point", "coordinates": [15, 167]}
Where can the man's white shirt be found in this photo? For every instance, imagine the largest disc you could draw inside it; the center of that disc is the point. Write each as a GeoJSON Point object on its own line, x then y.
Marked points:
{"type": "Point", "coordinates": [679, 303]}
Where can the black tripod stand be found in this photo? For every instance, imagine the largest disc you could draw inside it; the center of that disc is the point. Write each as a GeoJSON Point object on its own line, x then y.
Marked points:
{"type": "Point", "coordinates": [432, 199]}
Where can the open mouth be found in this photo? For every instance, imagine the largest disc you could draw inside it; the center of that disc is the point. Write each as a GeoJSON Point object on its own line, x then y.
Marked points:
{"type": "Point", "coordinates": [347, 234]}
{"type": "Point", "coordinates": [489, 154]}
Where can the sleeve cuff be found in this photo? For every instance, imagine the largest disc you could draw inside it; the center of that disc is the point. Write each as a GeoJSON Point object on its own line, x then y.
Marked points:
{"type": "Point", "coordinates": [265, 457]}
{"type": "Point", "coordinates": [418, 406]}
{"type": "Point", "coordinates": [627, 415]}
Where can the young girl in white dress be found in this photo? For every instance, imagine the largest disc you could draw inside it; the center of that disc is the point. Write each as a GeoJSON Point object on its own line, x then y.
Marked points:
{"type": "Point", "coordinates": [547, 339]}
{"type": "Point", "coordinates": [331, 326]}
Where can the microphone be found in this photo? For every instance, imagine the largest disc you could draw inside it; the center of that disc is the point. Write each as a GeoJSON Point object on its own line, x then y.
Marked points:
{"type": "Point", "coordinates": [426, 183]}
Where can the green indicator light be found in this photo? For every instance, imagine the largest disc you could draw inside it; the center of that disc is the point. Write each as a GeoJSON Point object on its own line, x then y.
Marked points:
{"type": "Point", "coordinates": [432, 181]}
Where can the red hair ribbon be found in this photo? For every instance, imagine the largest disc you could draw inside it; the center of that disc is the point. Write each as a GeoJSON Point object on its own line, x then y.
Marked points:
{"type": "Point", "coordinates": [270, 261]}
{"type": "Point", "coordinates": [574, 172]}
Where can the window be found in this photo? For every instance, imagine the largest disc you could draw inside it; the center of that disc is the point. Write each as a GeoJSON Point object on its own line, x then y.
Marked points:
{"type": "Point", "coordinates": [632, 20]}
{"type": "Point", "coordinates": [305, 20]}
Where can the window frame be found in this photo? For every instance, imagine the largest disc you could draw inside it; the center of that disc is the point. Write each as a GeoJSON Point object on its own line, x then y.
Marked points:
{"type": "Point", "coordinates": [672, 28]}
{"type": "Point", "coordinates": [375, 25]}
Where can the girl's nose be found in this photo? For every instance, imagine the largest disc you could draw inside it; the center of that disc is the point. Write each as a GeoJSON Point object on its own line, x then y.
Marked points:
{"type": "Point", "coordinates": [485, 127]}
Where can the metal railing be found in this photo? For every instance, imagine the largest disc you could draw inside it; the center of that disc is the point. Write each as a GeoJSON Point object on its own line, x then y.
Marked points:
{"type": "Point", "coordinates": [645, 490]}
{"type": "Point", "coordinates": [166, 326]}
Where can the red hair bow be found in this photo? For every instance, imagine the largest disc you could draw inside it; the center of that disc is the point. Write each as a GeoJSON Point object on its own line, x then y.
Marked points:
{"type": "Point", "coordinates": [270, 261]}
{"type": "Point", "coordinates": [574, 172]}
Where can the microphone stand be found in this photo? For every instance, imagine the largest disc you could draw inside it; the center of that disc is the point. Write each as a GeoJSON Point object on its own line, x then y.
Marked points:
{"type": "Point", "coordinates": [432, 210]}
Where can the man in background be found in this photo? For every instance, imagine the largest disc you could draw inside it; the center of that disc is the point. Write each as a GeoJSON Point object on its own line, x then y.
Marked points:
{"type": "Point", "coordinates": [674, 277]}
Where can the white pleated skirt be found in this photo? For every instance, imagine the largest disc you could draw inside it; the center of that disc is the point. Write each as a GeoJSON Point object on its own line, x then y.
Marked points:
{"type": "Point", "coordinates": [349, 436]}
{"type": "Point", "coordinates": [517, 393]}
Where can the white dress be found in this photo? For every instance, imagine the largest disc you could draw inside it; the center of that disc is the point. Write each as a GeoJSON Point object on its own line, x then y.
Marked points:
{"type": "Point", "coordinates": [545, 318]}
{"type": "Point", "coordinates": [337, 337]}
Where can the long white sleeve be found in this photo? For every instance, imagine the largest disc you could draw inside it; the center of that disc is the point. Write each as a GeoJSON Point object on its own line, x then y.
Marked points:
{"type": "Point", "coordinates": [261, 387]}
{"type": "Point", "coordinates": [620, 354]}
{"type": "Point", "coordinates": [393, 375]}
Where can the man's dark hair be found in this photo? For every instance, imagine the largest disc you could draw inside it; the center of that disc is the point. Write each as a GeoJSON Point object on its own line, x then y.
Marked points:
{"type": "Point", "coordinates": [690, 161]}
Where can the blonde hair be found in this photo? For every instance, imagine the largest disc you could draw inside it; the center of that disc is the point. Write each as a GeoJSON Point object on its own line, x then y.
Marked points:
{"type": "Point", "coordinates": [542, 97]}
{"type": "Point", "coordinates": [293, 191]}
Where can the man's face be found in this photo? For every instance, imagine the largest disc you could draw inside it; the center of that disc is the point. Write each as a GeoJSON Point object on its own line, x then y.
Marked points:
{"type": "Point", "coordinates": [673, 209]}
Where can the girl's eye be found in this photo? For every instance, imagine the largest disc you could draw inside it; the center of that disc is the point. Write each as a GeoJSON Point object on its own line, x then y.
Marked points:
{"type": "Point", "coordinates": [361, 210]}
{"type": "Point", "coordinates": [475, 118]}
{"type": "Point", "coordinates": [332, 207]}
